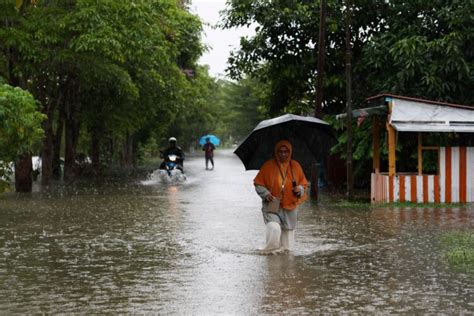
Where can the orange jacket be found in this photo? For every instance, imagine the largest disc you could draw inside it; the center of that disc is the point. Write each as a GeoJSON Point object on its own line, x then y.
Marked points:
{"type": "Point", "coordinates": [273, 172]}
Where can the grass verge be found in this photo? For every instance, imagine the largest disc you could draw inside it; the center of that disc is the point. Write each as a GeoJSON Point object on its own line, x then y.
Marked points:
{"type": "Point", "coordinates": [459, 248]}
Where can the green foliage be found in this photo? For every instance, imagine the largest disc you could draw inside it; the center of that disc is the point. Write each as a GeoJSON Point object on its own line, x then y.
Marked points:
{"type": "Point", "coordinates": [150, 96]}
{"type": "Point", "coordinates": [198, 116]}
{"type": "Point", "coordinates": [353, 205]}
{"type": "Point", "coordinates": [20, 122]}
{"type": "Point", "coordinates": [131, 66]}
{"type": "Point", "coordinates": [149, 149]}
{"type": "Point", "coordinates": [20, 128]}
{"type": "Point", "coordinates": [428, 46]}
{"type": "Point", "coordinates": [225, 108]}
{"type": "Point", "coordinates": [241, 108]}
{"type": "Point", "coordinates": [418, 48]}
{"type": "Point", "coordinates": [283, 53]}
{"type": "Point", "coordinates": [5, 176]}
{"type": "Point", "coordinates": [362, 146]}
{"type": "Point", "coordinates": [459, 248]}
{"type": "Point", "coordinates": [119, 65]}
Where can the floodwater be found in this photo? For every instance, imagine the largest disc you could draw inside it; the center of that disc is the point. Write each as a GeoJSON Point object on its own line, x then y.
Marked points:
{"type": "Point", "coordinates": [192, 248]}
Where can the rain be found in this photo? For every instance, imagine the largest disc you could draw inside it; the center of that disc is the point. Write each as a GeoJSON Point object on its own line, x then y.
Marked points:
{"type": "Point", "coordinates": [144, 246]}
{"type": "Point", "coordinates": [201, 157]}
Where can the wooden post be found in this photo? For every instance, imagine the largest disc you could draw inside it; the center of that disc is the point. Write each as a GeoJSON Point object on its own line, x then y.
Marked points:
{"type": "Point", "coordinates": [420, 155]}
{"type": "Point", "coordinates": [321, 55]}
{"type": "Point", "coordinates": [391, 150]}
{"type": "Point", "coordinates": [375, 144]}
{"type": "Point", "coordinates": [314, 182]}
{"type": "Point", "coordinates": [349, 170]}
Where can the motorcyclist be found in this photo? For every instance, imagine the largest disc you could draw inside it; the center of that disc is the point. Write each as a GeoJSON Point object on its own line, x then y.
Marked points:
{"type": "Point", "coordinates": [173, 149]}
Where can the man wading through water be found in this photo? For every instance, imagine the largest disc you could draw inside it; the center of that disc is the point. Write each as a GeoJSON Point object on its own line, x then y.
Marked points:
{"type": "Point", "coordinates": [282, 185]}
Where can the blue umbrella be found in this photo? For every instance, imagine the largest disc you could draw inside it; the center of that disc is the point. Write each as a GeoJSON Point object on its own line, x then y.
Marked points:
{"type": "Point", "coordinates": [213, 138]}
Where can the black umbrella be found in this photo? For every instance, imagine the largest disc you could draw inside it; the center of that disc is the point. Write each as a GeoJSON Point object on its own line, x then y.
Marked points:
{"type": "Point", "coordinates": [310, 137]}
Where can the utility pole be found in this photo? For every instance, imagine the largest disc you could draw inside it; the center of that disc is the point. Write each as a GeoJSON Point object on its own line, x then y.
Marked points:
{"type": "Point", "coordinates": [321, 55]}
{"type": "Point", "coordinates": [319, 90]}
{"type": "Point", "coordinates": [350, 180]}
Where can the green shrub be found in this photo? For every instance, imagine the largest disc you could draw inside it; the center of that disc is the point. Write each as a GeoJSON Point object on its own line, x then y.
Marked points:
{"type": "Point", "coordinates": [20, 127]}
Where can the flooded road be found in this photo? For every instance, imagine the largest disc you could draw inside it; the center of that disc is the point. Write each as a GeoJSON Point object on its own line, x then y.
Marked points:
{"type": "Point", "coordinates": [145, 247]}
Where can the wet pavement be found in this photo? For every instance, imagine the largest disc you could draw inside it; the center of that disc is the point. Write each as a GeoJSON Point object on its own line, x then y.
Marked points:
{"type": "Point", "coordinates": [192, 248]}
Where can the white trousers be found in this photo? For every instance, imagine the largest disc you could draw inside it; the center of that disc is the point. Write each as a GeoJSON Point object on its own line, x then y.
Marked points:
{"type": "Point", "coordinates": [277, 240]}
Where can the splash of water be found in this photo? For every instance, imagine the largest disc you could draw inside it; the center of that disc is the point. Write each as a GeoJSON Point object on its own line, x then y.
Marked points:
{"type": "Point", "coordinates": [161, 177]}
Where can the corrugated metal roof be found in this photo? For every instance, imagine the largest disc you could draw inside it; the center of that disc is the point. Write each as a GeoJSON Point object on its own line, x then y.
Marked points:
{"type": "Point", "coordinates": [411, 116]}
{"type": "Point", "coordinates": [404, 110]}
{"type": "Point", "coordinates": [375, 110]}
{"type": "Point", "coordinates": [432, 127]}
{"type": "Point", "coordinates": [400, 97]}
{"type": "Point", "coordinates": [419, 115]}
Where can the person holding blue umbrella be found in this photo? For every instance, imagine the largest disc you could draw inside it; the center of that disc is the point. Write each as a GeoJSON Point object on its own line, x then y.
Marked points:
{"type": "Point", "coordinates": [213, 138]}
{"type": "Point", "coordinates": [208, 149]}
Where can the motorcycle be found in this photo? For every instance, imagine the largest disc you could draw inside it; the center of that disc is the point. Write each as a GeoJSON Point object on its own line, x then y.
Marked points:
{"type": "Point", "coordinates": [172, 173]}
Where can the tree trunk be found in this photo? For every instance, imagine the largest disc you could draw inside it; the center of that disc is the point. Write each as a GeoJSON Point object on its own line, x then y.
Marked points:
{"type": "Point", "coordinates": [58, 136]}
{"type": "Point", "coordinates": [72, 133]}
{"type": "Point", "coordinates": [111, 150]}
{"type": "Point", "coordinates": [134, 152]}
{"type": "Point", "coordinates": [70, 149]}
{"type": "Point", "coordinates": [47, 151]}
{"type": "Point", "coordinates": [127, 152]}
{"type": "Point", "coordinates": [95, 151]}
{"type": "Point", "coordinates": [57, 146]}
{"type": "Point", "coordinates": [24, 173]}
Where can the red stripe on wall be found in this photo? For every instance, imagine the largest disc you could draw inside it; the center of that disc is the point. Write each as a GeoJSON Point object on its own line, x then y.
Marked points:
{"type": "Point", "coordinates": [401, 179]}
{"type": "Point", "coordinates": [436, 189]}
{"type": "Point", "coordinates": [390, 188]}
{"type": "Point", "coordinates": [448, 174]}
{"type": "Point", "coordinates": [425, 189]}
{"type": "Point", "coordinates": [462, 174]}
{"type": "Point", "coordinates": [413, 189]}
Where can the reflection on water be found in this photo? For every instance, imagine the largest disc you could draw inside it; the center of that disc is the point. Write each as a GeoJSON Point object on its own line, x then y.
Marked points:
{"type": "Point", "coordinates": [191, 248]}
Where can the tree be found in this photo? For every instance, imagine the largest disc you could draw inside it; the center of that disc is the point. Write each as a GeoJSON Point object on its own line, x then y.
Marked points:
{"type": "Point", "coordinates": [107, 70]}
{"type": "Point", "coordinates": [20, 132]}
{"type": "Point", "coordinates": [418, 48]}
{"type": "Point", "coordinates": [241, 107]}
{"type": "Point", "coordinates": [283, 53]}
{"type": "Point", "coordinates": [429, 47]}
